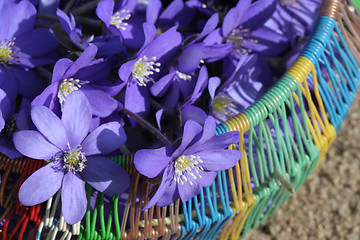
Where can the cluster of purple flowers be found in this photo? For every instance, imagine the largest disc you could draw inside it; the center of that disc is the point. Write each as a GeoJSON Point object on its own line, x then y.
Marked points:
{"type": "Point", "coordinates": [80, 81]}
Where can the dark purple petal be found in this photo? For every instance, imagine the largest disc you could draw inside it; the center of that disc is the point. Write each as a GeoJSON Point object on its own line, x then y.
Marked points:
{"type": "Point", "coordinates": [7, 148]}
{"type": "Point", "coordinates": [42, 184]}
{"type": "Point", "coordinates": [214, 37]}
{"type": "Point", "coordinates": [200, 86]}
{"type": "Point", "coordinates": [38, 42]}
{"type": "Point", "coordinates": [104, 139]}
{"type": "Point", "coordinates": [33, 144]}
{"type": "Point", "coordinates": [217, 142]}
{"type": "Point", "coordinates": [189, 60]}
{"type": "Point", "coordinates": [65, 21]}
{"type": "Point", "coordinates": [151, 162]}
{"type": "Point", "coordinates": [102, 104]}
{"type": "Point", "coordinates": [30, 83]}
{"type": "Point", "coordinates": [84, 60]}
{"type": "Point", "coordinates": [137, 99]}
{"type": "Point", "coordinates": [258, 13]}
{"type": "Point", "coordinates": [105, 175]}
{"type": "Point", "coordinates": [216, 52]}
{"type": "Point", "coordinates": [94, 72]}
{"type": "Point", "coordinates": [218, 160]}
{"type": "Point", "coordinates": [191, 130]}
{"type": "Point", "coordinates": [172, 97]}
{"type": "Point", "coordinates": [269, 43]}
{"type": "Point", "coordinates": [210, 26]}
{"type": "Point", "coordinates": [76, 117]}
{"type": "Point", "coordinates": [73, 198]}
{"type": "Point", "coordinates": [134, 34]}
{"type": "Point", "coordinates": [104, 11]}
{"type": "Point", "coordinates": [50, 126]}
{"type": "Point", "coordinates": [153, 10]}
{"type": "Point", "coordinates": [233, 18]}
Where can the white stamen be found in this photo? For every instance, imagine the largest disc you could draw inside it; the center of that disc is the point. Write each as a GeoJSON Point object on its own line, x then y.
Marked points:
{"type": "Point", "coordinates": [187, 164]}
{"type": "Point", "coordinates": [184, 76]}
{"type": "Point", "coordinates": [67, 86]}
{"type": "Point", "coordinates": [118, 19]}
{"type": "Point", "coordinates": [143, 68]}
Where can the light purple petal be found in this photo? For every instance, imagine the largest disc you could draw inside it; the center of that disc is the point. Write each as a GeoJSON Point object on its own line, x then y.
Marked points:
{"type": "Point", "coordinates": [166, 192]}
{"type": "Point", "coordinates": [50, 126]}
{"type": "Point", "coordinates": [214, 83]}
{"type": "Point", "coordinates": [60, 68]}
{"type": "Point", "coordinates": [104, 139]}
{"type": "Point", "coordinates": [189, 60]}
{"type": "Point", "coordinates": [149, 33]}
{"type": "Point", "coordinates": [158, 116]}
{"type": "Point", "coordinates": [102, 104]}
{"type": "Point", "coordinates": [187, 191]}
{"type": "Point", "coordinates": [48, 98]}
{"type": "Point", "coordinates": [209, 129]}
{"type": "Point", "coordinates": [153, 10]}
{"type": "Point", "coordinates": [159, 88]}
{"type": "Point", "coordinates": [22, 18]}
{"type": "Point", "coordinates": [191, 130]}
{"type": "Point", "coordinates": [126, 70]}
{"type": "Point", "coordinates": [104, 11]}
{"type": "Point", "coordinates": [42, 184]}
{"type": "Point", "coordinates": [84, 59]}
{"type": "Point", "coordinates": [73, 198]}
{"type": "Point", "coordinates": [105, 175]}
{"type": "Point", "coordinates": [207, 178]}
{"type": "Point", "coordinates": [33, 144]}
{"type": "Point", "coordinates": [65, 21]}
{"type": "Point", "coordinates": [194, 113]}
{"type": "Point", "coordinates": [217, 142]}
{"type": "Point", "coordinates": [76, 117]}
{"type": "Point", "coordinates": [151, 162]}
{"type": "Point", "coordinates": [218, 160]}
{"type": "Point", "coordinates": [258, 13]}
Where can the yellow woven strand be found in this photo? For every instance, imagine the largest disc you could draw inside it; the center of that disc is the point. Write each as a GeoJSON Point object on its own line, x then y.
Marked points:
{"type": "Point", "coordinates": [300, 70]}
{"type": "Point", "coordinates": [243, 205]}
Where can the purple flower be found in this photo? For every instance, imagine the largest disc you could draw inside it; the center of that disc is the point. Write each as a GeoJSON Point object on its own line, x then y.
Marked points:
{"type": "Point", "coordinates": [69, 149]}
{"type": "Point", "coordinates": [23, 47]}
{"type": "Point", "coordinates": [194, 164]}
{"type": "Point", "coordinates": [85, 75]}
{"type": "Point", "coordinates": [139, 74]}
{"type": "Point", "coordinates": [243, 28]}
{"type": "Point", "coordinates": [106, 46]}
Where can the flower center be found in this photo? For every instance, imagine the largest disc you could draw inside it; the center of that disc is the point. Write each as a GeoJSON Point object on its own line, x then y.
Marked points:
{"type": "Point", "coordinates": [187, 164]}
{"type": "Point", "coordinates": [143, 68]}
{"type": "Point", "coordinates": [238, 37]}
{"type": "Point", "coordinates": [67, 86]}
{"type": "Point", "coordinates": [8, 52]}
{"type": "Point", "coordinates": [118, 19]}
{"type": "Point", "coordinates": [74, 160]}
{"type": "Point", "coordinates": [223, 107]}
{"type": "Point", "coordinates": [183, 76]}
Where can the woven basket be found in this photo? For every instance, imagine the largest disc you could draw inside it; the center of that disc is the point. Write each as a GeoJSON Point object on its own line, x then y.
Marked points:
{"type": "Point", "coordinates": [288, 132]}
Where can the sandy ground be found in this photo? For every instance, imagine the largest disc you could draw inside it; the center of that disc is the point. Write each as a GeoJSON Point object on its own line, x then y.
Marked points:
{"type": "Point", "coordinates": [327, 206]}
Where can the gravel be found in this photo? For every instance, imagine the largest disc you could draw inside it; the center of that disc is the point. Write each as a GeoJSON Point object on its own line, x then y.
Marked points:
{"type": "Point", "coordinates": [327, 206]}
